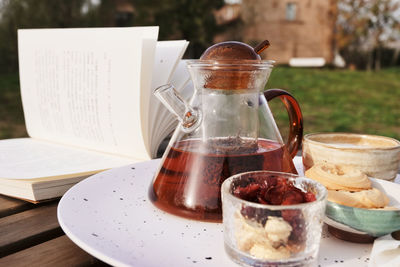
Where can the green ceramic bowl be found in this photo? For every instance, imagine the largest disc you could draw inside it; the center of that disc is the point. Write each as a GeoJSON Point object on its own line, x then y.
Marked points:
{"type": "Point", "coordinates": [373, 222]}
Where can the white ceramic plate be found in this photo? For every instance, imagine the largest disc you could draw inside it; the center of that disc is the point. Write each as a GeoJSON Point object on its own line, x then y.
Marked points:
{"type": "Point", "coordinates": [110, 216]}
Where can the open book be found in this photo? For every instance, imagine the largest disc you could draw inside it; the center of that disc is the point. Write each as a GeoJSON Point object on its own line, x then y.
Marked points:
{"type": "Point", "coordinates": [88, 101]}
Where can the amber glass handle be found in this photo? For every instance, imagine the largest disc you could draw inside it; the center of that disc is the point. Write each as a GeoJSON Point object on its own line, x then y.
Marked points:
{"type": "Point", "coordinates": [295, 118]}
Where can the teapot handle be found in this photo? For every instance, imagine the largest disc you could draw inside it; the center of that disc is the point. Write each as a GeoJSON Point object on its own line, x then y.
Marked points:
{"type": "Point", "coordinates": [295, 118]}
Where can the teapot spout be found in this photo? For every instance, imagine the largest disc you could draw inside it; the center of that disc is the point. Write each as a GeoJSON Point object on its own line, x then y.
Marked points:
{"type": "Point", "coordinates": [189, 117]}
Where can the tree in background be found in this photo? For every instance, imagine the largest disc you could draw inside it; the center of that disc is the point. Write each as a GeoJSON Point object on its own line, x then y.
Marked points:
{"type": "Point", "coordinates": [186, 19]}
{"type": "Point", "coordinates": [384, 26]}
{"type": "Point", "coordinates": [19, 14]}
{"type": "Point", "coordinates": [180, 19]}
{"type": "Point", "coordinates": [364, 27]}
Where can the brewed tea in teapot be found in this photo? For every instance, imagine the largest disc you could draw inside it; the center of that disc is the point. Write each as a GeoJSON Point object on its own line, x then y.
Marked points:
{"type": "Point", "coordinates": [225, 129]}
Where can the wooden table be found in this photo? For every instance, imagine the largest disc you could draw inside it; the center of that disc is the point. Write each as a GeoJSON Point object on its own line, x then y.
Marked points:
{"type": "Point", "coordinates": [30, 235]}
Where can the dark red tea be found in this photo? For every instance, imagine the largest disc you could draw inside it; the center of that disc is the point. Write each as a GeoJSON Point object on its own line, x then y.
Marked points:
{"type": "Point", "coordinates": [188, 184]}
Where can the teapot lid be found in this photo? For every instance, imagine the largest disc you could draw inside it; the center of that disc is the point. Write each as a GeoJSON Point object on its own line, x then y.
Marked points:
{"type": "Point", "coordinates": [233, 50]}
{"type": "Point", "coordinates": [233, 65]}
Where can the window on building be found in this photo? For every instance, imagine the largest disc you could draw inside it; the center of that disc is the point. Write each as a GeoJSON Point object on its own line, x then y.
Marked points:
{"type": "Point", "coordinates": [291, 11]}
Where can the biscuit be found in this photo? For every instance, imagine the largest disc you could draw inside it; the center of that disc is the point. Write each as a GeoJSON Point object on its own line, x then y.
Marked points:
{"type": "Point", "coordinates": [263, 242]}
{"type": "Point", "coordinates": [335, 177]}
{"type": "Point", "coordinates": [368, 199]}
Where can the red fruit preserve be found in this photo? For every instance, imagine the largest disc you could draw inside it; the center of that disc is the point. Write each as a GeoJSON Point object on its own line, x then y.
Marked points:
{"type": "Point", "coordinates": [188, 183]}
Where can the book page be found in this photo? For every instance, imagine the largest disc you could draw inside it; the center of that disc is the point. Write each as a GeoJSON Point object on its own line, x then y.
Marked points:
{"type": "Point", "coordinates": [167, 58]}
{"type": "Point", "coordinates": [82, 87]}
{"type": "Point", "coordinates": [180, 79]}
{"type": "Point", "coordinates": [181, 75]}
{"type": "Point", "coordinates": [27, 158]}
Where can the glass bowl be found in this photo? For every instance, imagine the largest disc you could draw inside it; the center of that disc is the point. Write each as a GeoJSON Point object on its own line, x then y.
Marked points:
{"type": "Point", "coordinates": [282, 235]}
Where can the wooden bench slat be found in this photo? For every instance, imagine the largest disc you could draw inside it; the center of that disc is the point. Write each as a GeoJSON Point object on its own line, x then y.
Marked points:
{"type": "Point", "coordinates": [60, 251]}
{"type": "Point", "coordinates": [10, 205]}
{"type": "Point", "coordinates": [28, 228]}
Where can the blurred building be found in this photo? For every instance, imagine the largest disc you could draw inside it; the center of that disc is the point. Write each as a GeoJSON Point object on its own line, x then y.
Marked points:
{"type": "Point", "coordinates": [295, 28]}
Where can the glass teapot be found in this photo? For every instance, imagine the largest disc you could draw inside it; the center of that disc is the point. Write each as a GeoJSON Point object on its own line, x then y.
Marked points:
{"type": "Point", "coordinates": [225, 129]}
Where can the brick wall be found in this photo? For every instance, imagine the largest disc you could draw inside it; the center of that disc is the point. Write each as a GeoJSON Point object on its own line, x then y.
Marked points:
{"type": "Point", "coordinates": [307, 34]}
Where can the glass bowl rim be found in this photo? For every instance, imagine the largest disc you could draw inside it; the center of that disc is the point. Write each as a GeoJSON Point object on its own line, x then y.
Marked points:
{"type": "Point", "coordinates": [225, 191]}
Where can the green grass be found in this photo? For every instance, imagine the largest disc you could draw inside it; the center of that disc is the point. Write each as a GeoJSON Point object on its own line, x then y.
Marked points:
{"type": "Point", "coordinates": [341, 100]}
{"type": "Point", "coordinates": [331, 101]}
